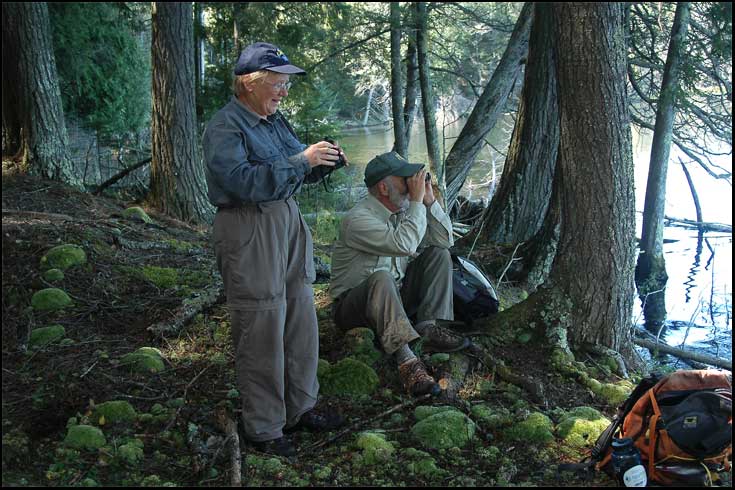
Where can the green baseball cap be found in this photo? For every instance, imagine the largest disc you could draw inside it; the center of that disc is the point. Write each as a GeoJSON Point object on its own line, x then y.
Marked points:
{"type": "Point", "coordinates": [390, 163]}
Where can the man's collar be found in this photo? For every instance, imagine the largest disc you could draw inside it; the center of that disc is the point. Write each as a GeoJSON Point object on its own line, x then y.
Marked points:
{"type": "Point", "coordinates": [252, 118]}
{"type": "Point", "coordinates": [379, 208]}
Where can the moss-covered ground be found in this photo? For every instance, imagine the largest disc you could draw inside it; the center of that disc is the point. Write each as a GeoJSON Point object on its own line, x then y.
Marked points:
{"type": "Point", "coordinates": [104, 401]}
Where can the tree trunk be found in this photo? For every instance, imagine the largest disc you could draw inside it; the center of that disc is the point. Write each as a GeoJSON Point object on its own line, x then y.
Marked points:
{"type": "Point", "coordinates": [367, 107]}
{"type": "Point", "coordinates": [593, 268]}
{"type": "Point", "coordinates": [650, 272]}
{"type": "Point", "coordinates": [32, 111]}
{"type": "Point", "coordinates": [517, 210]}
{"type": "Point", "coordinates": [427, 97]}
{"type": "Point", "coordinates": [396, 82]}
{"type": "Point", "coordinates": [412, 78]}
{"type": "Point", "coordinates": [489, 107]}
{"type": "Point", "coordinates": [177, 174]}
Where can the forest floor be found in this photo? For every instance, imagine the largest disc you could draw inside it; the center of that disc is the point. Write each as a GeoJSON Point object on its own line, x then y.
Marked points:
{"type": "Point", "coordinates": [138, 275]}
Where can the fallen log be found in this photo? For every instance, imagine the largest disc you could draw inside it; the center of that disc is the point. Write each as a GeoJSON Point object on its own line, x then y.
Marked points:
{"type": "Point", "coordinates": [229, 427]}
{"type": "Point", "coordinates": [683, 354]}
{"type": "Point", "coordinates": [120, 175]}
{"type": "Point", "coordinates": [189, 309]}
{"type": "Point", "coordinates": [704, 226]}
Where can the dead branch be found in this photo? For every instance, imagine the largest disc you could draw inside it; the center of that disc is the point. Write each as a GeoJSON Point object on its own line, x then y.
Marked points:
{"type": "Point", "coordinates": [189, 309]}
{"type": "Point", "coordinates": [683, 354]}
{"type": "Point", "coordinates": [229, 427]}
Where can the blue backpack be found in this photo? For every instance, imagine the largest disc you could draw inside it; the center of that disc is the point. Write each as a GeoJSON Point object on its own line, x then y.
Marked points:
{"type": "Point", "coordinates": [474, 295]}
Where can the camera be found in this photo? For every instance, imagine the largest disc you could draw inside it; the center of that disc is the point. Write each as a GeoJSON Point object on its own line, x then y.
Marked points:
{"type": "Point", "coordinates": [321, 172]}
{"type": "Point", "coordinates": [341, 159]}
{"type": "Point", "coordinates": [428, 177]}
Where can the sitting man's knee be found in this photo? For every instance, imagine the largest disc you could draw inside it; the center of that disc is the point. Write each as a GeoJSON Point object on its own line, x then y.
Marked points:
{"type": "Point", "coordinates": [381, 279]}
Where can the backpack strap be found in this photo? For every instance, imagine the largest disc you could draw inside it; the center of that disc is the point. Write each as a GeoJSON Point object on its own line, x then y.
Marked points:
{"type": "Point", "coordinates": [653, 434]}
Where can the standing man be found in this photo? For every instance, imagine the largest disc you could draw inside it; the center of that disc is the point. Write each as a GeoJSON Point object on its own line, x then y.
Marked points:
{"type": "Point", "coordinates": [392, 263]}
{"type": "Point", "coordinates": [254, 166]}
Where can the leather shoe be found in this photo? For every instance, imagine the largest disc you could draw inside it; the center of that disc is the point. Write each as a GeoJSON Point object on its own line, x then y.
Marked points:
{"type": "Point", "coordinates": [279, 447]}
{"type": "Point", "coordinates": [318, 421]}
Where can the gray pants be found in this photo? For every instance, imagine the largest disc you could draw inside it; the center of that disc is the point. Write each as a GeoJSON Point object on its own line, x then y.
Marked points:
{"type": "Point", "coordinates": [265, 255]}
{"type": "Point", "coordinates": [378, 303]}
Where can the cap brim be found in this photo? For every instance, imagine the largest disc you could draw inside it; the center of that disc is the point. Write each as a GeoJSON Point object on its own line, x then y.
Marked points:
{"type": "Point", "coordinates": [408, 170]}
{"type": "Point", "coordinates": [287, 69]}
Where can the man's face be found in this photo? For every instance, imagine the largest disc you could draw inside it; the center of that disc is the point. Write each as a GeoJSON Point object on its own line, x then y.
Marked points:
{"type": "Point", "coordinates": [398, 192]}
{"type": "Point", "coordinates": [267, 93]}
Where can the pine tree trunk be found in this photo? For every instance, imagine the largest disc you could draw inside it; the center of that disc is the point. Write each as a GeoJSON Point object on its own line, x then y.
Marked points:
{"type": "Point", "coordinates": [32, 111]}
{"type": "Point", "coordinates": [396, 81]}
{"type": "Point", "coordinates": [517, 210]}
{"type": "Point", "coordinates": [177, 174]}
{"type": "Point", "coordinates": [412, 68]}
{"type": "Point", "coordinates": [596, 256]}
{"type": "Point", "coordinates": [650, 271]}
{"type": "Point", "coordinates": [489, 107]}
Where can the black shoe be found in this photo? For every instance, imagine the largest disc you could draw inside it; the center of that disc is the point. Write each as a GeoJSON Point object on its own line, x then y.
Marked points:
{"type": "Point", "coordinates": [280, 447]}
{"type": "Point", "coordinates": [318, 421]}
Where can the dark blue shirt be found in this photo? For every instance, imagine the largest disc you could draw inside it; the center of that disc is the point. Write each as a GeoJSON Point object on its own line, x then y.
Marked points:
{"type": "Point", "coordinates": [250, 159]}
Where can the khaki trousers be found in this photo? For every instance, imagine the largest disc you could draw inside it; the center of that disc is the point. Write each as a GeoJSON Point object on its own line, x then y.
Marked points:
{"type": "Point", "coordinates": [426, 294]}
{"type": "Point", "coordinates": [265, 255]}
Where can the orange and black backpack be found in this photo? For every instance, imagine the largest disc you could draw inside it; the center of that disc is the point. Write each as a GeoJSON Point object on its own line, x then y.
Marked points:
{"type": "Point", "coordinates": [681, 425]}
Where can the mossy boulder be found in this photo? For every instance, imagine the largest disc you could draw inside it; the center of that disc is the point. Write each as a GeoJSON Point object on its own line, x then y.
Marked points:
{"type": "Point", "coordinates": [537, 428]}
{"type": "Point", "coordinates": [375, 448]}
{"type": "Point", "coordinates": [423, 411]}
{"type": "Point", "coordinates": [53, 275]}
{"type": "Point", "coordinates": [444, 430]}
{"type": "Point", "coordinates": [41, 337]}
{"type": "Point", "coordinates": [422, 465]}
{"type": "Point", "coordinates": [84, 437]}
{"type": "Point", "coordinates": [63, 257]}
{"type": "Point", "coordinates": [50, 299]}
{"type": "Point", "coordinates": [131, 452]}
{"type": "Point", "coordinates": [581, 427]}
{"type": "Point", "coordinates": [115, 412]}
{"type": "Point", "coordinates": [348, 377]}
{"type": "Point", "coordinates": [361, 344]}
{"type": "Point", "coordinates": [137, 213]}
{"type": "Point", "coordinates": [144, 360]}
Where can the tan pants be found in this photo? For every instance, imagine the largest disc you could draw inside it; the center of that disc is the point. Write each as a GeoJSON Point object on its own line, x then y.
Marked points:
{"type": "Point", "coordinates": [377, 302]}
{"type": "Point", "coordinates": [265, 255]}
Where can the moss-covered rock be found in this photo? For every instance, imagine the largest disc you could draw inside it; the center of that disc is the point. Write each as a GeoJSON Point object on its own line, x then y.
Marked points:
{"type": "Point", "coordinates": [349, 377]}
{"type": "Point", "coordinates": [423, 411]}
{"type": "Point", "coordinates": [375, 448]}
{"type": "Point", "coordinates": [50, 299]}
{"type": "Point", "coordinates": [63, 257]}
{"type": "Point", "coordinates": [53, 275]}
{"type": "Point", "coordinates": [114, 412]}
{"type": "Point", "coordinates": [163, 277]}
{"type": "Point", "coordinates": [137, 213]}
{"type": "Point", "coordinates": [361, 345]}
{"type": "Point", "coordinates": [144, 360]}
{"type": "Point", "coordinates": [537, 428]}
{"type": "Point", "coordinates": [444, 430]}
{"type": "Point", "coordinates": [612, 394]}
{"type": "Point", "coordinates": [422, 465]}
{"type": "Point", "coordinates": [131, 452]}
{"type": "Point", "coordinates": [84, 437]}
{"type": "Point", "coordinates": [581, 427]}
{"type": "Point", "coordinates": [41, 337]}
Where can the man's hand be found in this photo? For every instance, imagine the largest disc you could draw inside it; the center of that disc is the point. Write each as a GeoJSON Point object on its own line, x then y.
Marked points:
{"type": "Point", "coordinates": [429, 195]}
{"type": "Point", "coordinates": [322, 153]}
{"type": "Point", "coordinates": [417, 186]}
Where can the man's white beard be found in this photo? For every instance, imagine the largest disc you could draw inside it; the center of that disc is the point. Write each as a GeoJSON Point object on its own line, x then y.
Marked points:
{"type": "Point", "coordinates": [396, 198]}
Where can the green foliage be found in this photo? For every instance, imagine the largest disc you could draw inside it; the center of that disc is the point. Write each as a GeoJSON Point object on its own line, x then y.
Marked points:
{"type": "Point", "coordinates": [103, 65]}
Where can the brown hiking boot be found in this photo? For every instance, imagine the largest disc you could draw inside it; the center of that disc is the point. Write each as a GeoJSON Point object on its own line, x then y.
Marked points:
{"type": "Point", "coordinates": [440, 339]}
{"type": "Point", "coordinates": [416, 380]}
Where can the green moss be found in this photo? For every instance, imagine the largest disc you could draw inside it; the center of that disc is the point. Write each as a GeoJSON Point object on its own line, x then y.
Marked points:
{"type": "Point", "coordinates": [145, 360]}
{"type": "Point", "coordinates": [360, 342]}
{"type": "Point", "coordinates": [439, 358]}
{"type": "Point", "coordinates": [63, 256]}
{"type": "Point", "coordinates": [115, 412]}
{"type": "Point", "coordinates": [444, 430]}
{"type": "Point", "coordinates": [375, 448]}
{"type": "Point", "coordinates": [180, 246]}
{"type": "Point", "coordinates": [424, 411]}
{"type": "Point", "coordinates": [41, 337]}
{"type": "Point", "coordinates": [349, 377]}
{"type": "Point", "coordinates": [50, 299]}
{"type": "Point", "coordinates": [579, 433]}
{"type": "Point", "coordinates": [137, 212]}
{"type": "Point", "coordinates": [131, 452]}
{"type": "Point", "coordinates": [613, 394]}
{"type": "Point", "coordinates": [84, 437]}
{"type": "Point", "coordinates": [163, 277]}
{"type": "Point", "coordinates": [537, 428]}
{"type": "Point", "coordinates": [53, 275]}
{"type": "Point", "coordinates": [482, 413]}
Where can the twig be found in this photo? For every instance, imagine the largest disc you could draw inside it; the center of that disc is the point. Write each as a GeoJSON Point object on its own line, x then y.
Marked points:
{"type": "Point", "coordinates": [88, 370]}
{"type": "Point", "coordinates": [178, 410]}
{"type": "Point", "coordinates": [360, 423]}
{"type": "Point", "coordinates": [512, 259]}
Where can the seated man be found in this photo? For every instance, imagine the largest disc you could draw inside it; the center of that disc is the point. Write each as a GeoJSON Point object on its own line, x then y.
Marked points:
{"type": "Point", "coordinates": [392, 262]}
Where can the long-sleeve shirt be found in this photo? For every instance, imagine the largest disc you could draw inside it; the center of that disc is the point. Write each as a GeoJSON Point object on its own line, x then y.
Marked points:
{"type": "Point", "coordinates": [251, 159]}
{"type": "Point", "coordinates": [372, 239]}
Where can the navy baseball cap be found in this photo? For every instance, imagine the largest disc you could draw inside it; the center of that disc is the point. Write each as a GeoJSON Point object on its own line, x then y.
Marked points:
{"type": "Point", "coordinates": [390, 163]}
{"type": "Point", "coordinates": [264, 56]}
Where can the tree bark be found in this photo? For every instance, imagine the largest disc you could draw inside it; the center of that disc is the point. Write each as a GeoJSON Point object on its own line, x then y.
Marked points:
{"type": "Point", "coordinates": [517, 209]}
{"type": "Point", "coordinates": [33, 114]}
{"type": "Point", "coordinates": [488, 109]}
{"type": "Point", "coordinates": [177, 174]}
{"type": "Point", "coordinates": [409, 108]}
{"type": "Point", "coordinates": [651, 268]}
{"type": "Point", "coordinates": [593, 267]}
{"type": "Point", "coordinates": [427, 96]}
{"type": "Point", "coordinates": [396, 81]}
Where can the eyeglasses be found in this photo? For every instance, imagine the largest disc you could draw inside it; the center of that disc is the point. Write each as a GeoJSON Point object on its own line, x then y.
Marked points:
{"type": "Point", "coordinates": [280, 85]}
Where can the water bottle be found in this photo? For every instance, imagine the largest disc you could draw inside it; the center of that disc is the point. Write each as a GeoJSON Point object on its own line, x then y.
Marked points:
{"type": "Point", "coordinates": [627, 463]}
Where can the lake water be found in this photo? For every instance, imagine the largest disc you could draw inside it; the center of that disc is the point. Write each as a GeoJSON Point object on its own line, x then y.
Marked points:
{"type": "Point", "coordinates": [699, 290]}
